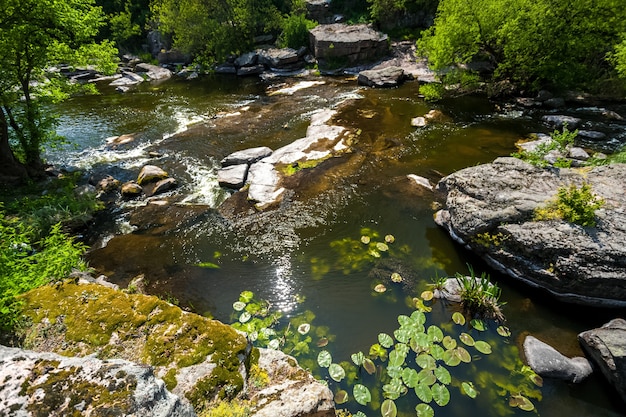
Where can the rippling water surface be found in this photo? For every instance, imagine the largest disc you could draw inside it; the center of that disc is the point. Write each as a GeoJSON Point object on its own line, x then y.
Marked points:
{"type": "Point", "coordinates": [290, 256]}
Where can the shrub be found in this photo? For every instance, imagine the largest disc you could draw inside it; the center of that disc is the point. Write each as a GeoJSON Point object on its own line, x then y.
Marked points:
{"type": "Point", "coordinates": [295, 31]}
{"type": "Point", "coordinates": [573, 204]}
{"type": "Point", "coordinates": [560, 142]}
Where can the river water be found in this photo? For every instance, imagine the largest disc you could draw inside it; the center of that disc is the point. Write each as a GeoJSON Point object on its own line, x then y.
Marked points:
{"type": "Point", "coordinates": [301, 257]}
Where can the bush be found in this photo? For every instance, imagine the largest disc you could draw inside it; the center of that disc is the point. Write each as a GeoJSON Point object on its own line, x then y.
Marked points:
{"type": "Point", "coordinates": [560, 142]}
{"type": "Point", "coordinates": [573, 204]}
{"type": "Point", "coordinates": [479, 296]}
{"type": "Point", "coordinates": [295, 31]}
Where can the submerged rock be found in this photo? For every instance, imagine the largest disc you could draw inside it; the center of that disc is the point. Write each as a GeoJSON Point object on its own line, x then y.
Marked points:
{"type": "Point", "coordinates": [490, 209]}
{"type": "Point", "coordinates": [35, 384]}
{"type": "Point", "coordinates": [548, 362]}
{"type": "Point", "coordinates": [606, 346]}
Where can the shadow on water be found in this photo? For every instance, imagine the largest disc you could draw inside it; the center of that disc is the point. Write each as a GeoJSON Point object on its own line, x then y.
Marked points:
{"type": "Point", "coordinates": [191, 253]}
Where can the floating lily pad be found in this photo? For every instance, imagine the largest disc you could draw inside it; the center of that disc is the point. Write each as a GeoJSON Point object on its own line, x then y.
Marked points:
{"type": "Point", "coordinates": [427, 295]}
{"type": "Point", "coordinates": [443, 375]}
{"type": "Point", "coordinates": [246, 296]}
{"type": "Point", "coordinates": [404, 321]}
{"type": "Point", "coordinates": [365, 240]}
{"type": "Point", "coordinates": [358, 358]}
{"type": "Point", "coordinates": [425, 361]}
{"type": "Point", "coordinates": [449, 342]}
{"type": "Point", "coordinates": [467, 339]}
{"type": "Point", "coordinates": [393, 389]}
{"type": "Point", "coordinates": [382, 247]}
{"type": "Point", "coordinates": [324, 359]}
{"type": "Point", "coordinates": [377, 351]}
{"type": "Point", "coordinates": [395, 277]}
{"type": "Point", "coordinates": [253, 336]}
{"type": "Point", "coordinates": [336, 372]}
{"type": "Point", "coordinates": [341, 397]}
{"type": "Point", "coordinates": [304, 328]}
{"type": "Point", "coordinates": [244, 317]}
{"type": "Point", "coordinates": [503, 331]}
{"type": "Point", "coordinates": [380, 288]}
{"type": "Point", "coordinates": [468, 389]}
{"type": "Point", "coordinates": [388, 408]}
{"type": "Point", "coordinates": [361, 394]}
{"type": "Point", "coordinates": [422, 341]}
{"type": "Point", "coordinates": [385, 340]}
{"type": "Point", "coordinates": [435, 333]}
{"type": "Point", "coordinates": [369, 366]}
{"type": "Point", "coordinates": [458, 318]}
{"type": "Point", "coordinates": [437, 352]}
{"type": "Point", "coordinates": [478, 325]}
{"type": "Point", "coordinates": [396, 358]}
{"type": "Point", "coordinates": [521, 402]}
{"type": "Point", "coordinates": [424, 410]}
{"type": "Point", "coordinates": [483, 347]}
{"type": "Point", "coordinates": [463, 354]}
{"type": "Point", "coordinates": [441, 395]}
{"type": "Point", "coordinates": [402, 335]}
{"type": "Point", "coordinates": [450, 357]}
{"type": "Point", "coordinates": [423, 392]}
{"type": "Point", "coordinates": [323, 341]}
{"type": "Point", "coordinates": [419, 317]}
{"type": "Point", "coordinates": [394, 371]}
{"type": "Point", "coordinates": [390, 239]}
{"type": "Point", "coordinates": [238, 305]}
{"type": "Point", "coordinates": [410, 378]}
{"type": "Point", "coordinates": [426, 376]}
{"type": "Point", "coordinates": [274, 344]}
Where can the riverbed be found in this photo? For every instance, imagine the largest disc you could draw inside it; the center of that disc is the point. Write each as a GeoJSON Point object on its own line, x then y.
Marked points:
{"type": "Point", "coordinates": [302, 257]}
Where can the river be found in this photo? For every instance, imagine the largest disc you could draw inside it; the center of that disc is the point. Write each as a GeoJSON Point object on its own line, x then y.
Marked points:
{"type": "Point", "coordinates": [301, 257]}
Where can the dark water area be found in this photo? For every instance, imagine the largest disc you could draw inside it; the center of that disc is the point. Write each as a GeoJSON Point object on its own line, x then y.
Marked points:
{"type": "Point", "coordinates": [292, 256]}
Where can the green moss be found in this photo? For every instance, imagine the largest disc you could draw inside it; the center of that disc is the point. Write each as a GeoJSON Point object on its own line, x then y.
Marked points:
{"type": "Point", "coordinates": [223, 382]}
{"type": "Point", "coordinates": [170, 379]}
{"type": "Point", "coordinates": [488, 240]}
{"type": "Point", "coordinates": [291, 169]}
{"type": "Point", "coordinates": [235, 408]}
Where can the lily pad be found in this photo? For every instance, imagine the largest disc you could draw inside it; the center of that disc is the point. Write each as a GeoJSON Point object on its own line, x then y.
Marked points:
{"type": "Point", "coordinates": [323, 341]}
{"type": "Point", "coordinates": [425, 361]}
{"type": "Point", "coordinates": [427, 295]}
{"type": "Point", "coordinates": [393, 389]}
{"type": "Point", "coordinates": [437, 352]}
{"type": "Point", "coordinates": [441, 395]}
{"type": "Point", "coordinates": [369, 366]}
{"type": "Point", "coordinates": [358, 358]}
{"type": "Point", "coordinates": [467, 339]}
{"type": "Point", "coordinates": [435, 333]}
{"type": "Point", "coordinates": [419, 317]}
{"type": "Point", "coordinates": [395, 277]}
{"type": "Point", "coordinates": [274, 344]}
{"type": "Point", "coordinates": [341, 397]}
{"type": "Point", "coordinates": [410, 378]}
{"type": "Point", "coordinates": [246, 296]}
{"type": "Point", "coordinates": [424, 410]}
{"type": "Point", "coordinates": [427, 376]}
{"type": "Point", "coordinates": [468, 389]}
{"type": "Point", "coordinates": [450, 357]}
{"type": "Point", "coordinates": [478, 325]}
{"type": "Point", "coordinates": [458, 318]}
{"type": "Point", "coordinates": [463, 354]}
{"type": "Point", "coordinates": [443, 375]}
{"type": "Point", "coordinates": [390, 239]}
{"type": "Point", "coordinates": [382, 247]}
{"type": "Point", "coordinates": [396, 358]}
{"type": "Point", "coordinates": [521, 402]}
{"type": "Point", "coordinates": [245, 316]}
{"type": "Point", "coordinates": [402, 335]}
{"type": "Point", "coordinates": [380, 288]}
{"type": "Point", "coordinates": [483, 347]}
{"type": "Point", "coordinates": [336, 372]}
{"type": "Point", "coordinates": [449, 342]}
{"type": "Point", "coordinates": [365, 240]}
{"type": "Point", "coordinates": [503, 331]}
{"type": "Point", "coordinates": [304, 328]}
{"type": "Point", "coordinates": [361, 394]}
{"type": "Point", "coordinates": [423, 392]}
{"type": "Point", "coordinates": [324, 359]}
{"type": "Point", "coordinates": [388, 408]}
{"type": "Point", "coordinates": [239, 305]}
{"type": "Point", "coordinates": [422, 341]}
{"type": "Point", "coordinates": [385, 340]}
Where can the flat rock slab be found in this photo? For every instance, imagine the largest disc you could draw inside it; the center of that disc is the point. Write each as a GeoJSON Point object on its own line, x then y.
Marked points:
{"type": "Point", "coordinates": [154, 72]}
{"type": "Point", "coordinates": [246, 156]}
{"type": "Point", "coordinates": [233, 176]}
{"type": "Point", "coordinates": [489, 208]}
{"type": "Point", "coordinates": [606, 346]}
{"type": "Point", "coordinates": [382, 78]}
{"type": "Point", "coordinates": [355, 43]}
{"type": "Point", "coordinates": [548, 362]}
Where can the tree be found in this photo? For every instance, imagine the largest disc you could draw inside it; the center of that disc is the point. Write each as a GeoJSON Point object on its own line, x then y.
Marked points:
{"type": "Point", "coordinates": [35, 34]}
{"type": "Point", "coordinates": [534, 43]}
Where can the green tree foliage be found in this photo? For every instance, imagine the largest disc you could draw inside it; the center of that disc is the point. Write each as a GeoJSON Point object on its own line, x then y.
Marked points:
{"type": "Point", "coordinates": [388, 11]}
{"type": "Point", "coordinates": [534, 43]}
{"type": "Point", "coordinates": [35, 34]}
{"type": "Point", "coordinates": [128, 22]}
{"type": "Point", "coordinates": [295, 31]}
{"type": "Point", "coordinates": [211, 30]}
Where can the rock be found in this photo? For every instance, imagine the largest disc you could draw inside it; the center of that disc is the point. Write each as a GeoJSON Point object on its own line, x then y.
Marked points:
{"type": "Point", "coordinates": [318, 10]}
{"type": "Point", "coordinates": [352, 43]}
{"type": "Point", "coordinates": [555, 103]}
{"type": "Point", "coordinates": [264, 183]}
{"type": "Point", "coordinates": [247, 71]}
{"type": "Point", "coordinates": [418, 121]}
{"type": "Point", "coordinates": [559, 121]}
{"type": "Point", "coordinates": [122, 89]}
{"type": "Point", "coordinates": [489, 209]}
{"type": "Point", "coordinates": [164, 185]}
{"type": "Point", "coordinates": [131, 189]}
{"type": "Point", "coordinates": [128, 78]}
{"type": "Point", "coordinates": [108, 184]}
{"type": "Point", "coordinates": [49, 384]}
{"type": "Point", "coordinates": [606, 346]}
{"type": "Point", "coordinates": [578, 153]}
{"type": "Point", "coordinates": [421, 181]}
{"type": "Point", "coordinates": [544, 95]}
{"type": "Point", "coordinates": [533, 145]}
{"type": "Point", "coordinates": [86, 190]}
{"type": "Point", "coordinates": [591, 135]}
{"type": "Point", "coordinates": [382, 78]}
{"type": "Point", "coordinates": [548, 362]}
{"type": "Point", "coordinates": [247, 156]}
{"type": "Point", "coordinates": [226, 68]}
{"type": "Point", "coordinates": [435, 115]}
{"type": "Point", "coordinates": [233, 176]}
{"type": "Point", "coordinates": [278, 58]}
{"type": "Point", "coordinates": [292, 392]}
{"type": "Point", "coordinates": [153, 72]}
{"type": "Point", "coordinates": [172, 57]}
{"type": "Point", "coordinates": [248, 59]}
{"type": "Point", "coordinates": [116, 141]}
{"type": "Point", "coordinates": [150, 173]}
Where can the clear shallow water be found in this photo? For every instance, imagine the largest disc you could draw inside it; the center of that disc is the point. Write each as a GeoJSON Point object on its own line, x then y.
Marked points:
{"type": "Point", "coordinates": [291, 252]}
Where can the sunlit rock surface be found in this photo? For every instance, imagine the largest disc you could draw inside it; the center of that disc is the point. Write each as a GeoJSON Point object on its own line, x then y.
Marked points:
{"type": "Point", "coordinates": [548, 362]}
{"type": "Point", "coordinates": [489, 209]}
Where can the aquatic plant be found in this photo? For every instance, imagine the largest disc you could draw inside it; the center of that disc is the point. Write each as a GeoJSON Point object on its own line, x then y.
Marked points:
{"type": "Point", "coordinates": [560, 141]}
{"type": "Point", "coordinates": [479, 296]}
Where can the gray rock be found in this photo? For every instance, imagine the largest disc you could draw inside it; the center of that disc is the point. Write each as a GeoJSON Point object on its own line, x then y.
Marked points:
{"type": "Point", "coordinates": [578, 153]}
{"type": "Point", "coordinates": [419, 121]}
{"type": "Point", "coordinates": [421, 181]}
{"type": "Point", "coordinates": [131, 189]}
{"type": "Point", "coordinates": [558, 121]}
{"type": "Point", "coordinates": [264, 181]}
{"type": "Point", "coordinates": [318, 10]}
{"type": "Point", "coordinates": [128, 78]}
{"type": "Point", "coordinates": [278, 58]}
{"type": "Point", "coordinates": [591, 135]}
{"type": "Point", "coordinates": [555, 103]}
{"type": "Point", "coordinates": [151, 173]}
{"type": "Point", "coordinates": [226, 68]}
{"type": "Point", "coordinates": [352, 43]}
{"type": "Point", "coordinates": [382, 78]}
{"type": "Point", "coordinates": [51, 383]}
{"type": "Point", "coordinates": [233, 176]}
{"type": "Point", "coordinates": [153, 72]}
{"type": "Point", "coordinates": [247, 71]}
{"type": "Point", "coordinates": [548, 362]}
{"type": "Point", "coordinates": [576, 264]}
{"type": "Point", "coordinates": [248, 59]}
{"type": "Point", "coordinates": [164, 185]}
{"type": "Point", "coordinates": [246, 156]}
{"type": "Point", "coordinates": [606, 346]}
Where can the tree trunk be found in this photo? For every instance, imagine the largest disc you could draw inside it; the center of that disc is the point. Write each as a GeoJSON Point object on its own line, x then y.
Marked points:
{"type": "Point", "coordinates": [11, 170]}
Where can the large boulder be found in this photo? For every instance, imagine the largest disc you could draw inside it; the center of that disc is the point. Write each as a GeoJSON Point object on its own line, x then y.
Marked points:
{"type": "Point", "coordinates": [43, 383]}
{"type": "Point", "coordinates": [153, 72]}
{"type": "Point", "coordinates": [490, 209]}
{"type": "Point", "coordinates": [384, 77]}
{"type": "Point", "coordinates": [246, 156]}
{"type": "Point", "coordinates": [151, 173]}
{"type": "Point", "coordinates": [606, 346]}
{"type": "Point", "coordinates": [347, 44]}
{"type": "Point", "coordinates": [548, 362]}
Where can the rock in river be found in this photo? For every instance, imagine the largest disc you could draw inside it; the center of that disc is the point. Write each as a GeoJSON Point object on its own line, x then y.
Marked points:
{"type": "Point", "coordinates": [548, 362]}
{"type": "Point", "coordinates": [381, 78]}
{"type": "Point", "coordinates": [490, 209]}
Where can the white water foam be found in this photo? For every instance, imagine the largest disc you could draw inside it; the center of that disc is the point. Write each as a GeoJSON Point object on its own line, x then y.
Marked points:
{"type": "Point", "coordinates": [203, 187]}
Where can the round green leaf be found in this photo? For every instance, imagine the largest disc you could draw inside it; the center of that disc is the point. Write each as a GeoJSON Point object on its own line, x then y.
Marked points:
{"type": "Point", "coordinates": [245, 316]}
{"type": "Point", "coordinates": [404, 321]}
{"type": "Point", "coordinates": [403, 349]}
{"type": "Point", "coordinates": [458, 318]}
{"type": "Point", "coordinates": [422, 341]}
{"type": "Point", "coordinates": [396, 358]}
{"type": "Point", "coordinates": [394, 371]}
{"type": "Point", "coordinates": [382, 247]}
{"type": "Point", "coordinates": [468, 389]}
{"type": "Point", "coordinates": [246, 296]}
{"type": "Point", "coordinates": [393, 389]}
{"type": "Point", "coordinates": [390, 238]}
{"type": "Point", "coordinates": [410, 378]}
{"type": "Point", "coordinates": [361, 394]}
{"type": "Point", "coordinates": [426, 376]}
{"type": "Point", "coordinates": [358, 358]}
{"type": "Point", "coordinates": [437, 352]}
{"type": "Point", "coordinates": [341, 397]}
{"type": "Point", "coordinates": [521, 402]}
{"type": "Point", "coordinates": [324, 359]}
{"type": "Point", "coordinates": [395, 277]}
{"type": "Point", "coordinates": [449, 343]}
{"type": "Point", "coordinates": [441, 395]}
{"type": "Point", "coordinates": [443, 375]}
{"type": "Point", "coordinates": [238, 305]}
{"type": "Point", "coordinates": [385, 340]}
{"type": "Point", "coordinates": [450, 357]}
{"type": "Point", "coordinates": [336, 372]}
{"type": "Point", "coordinates": [369, 366]}
{"type": "Point", "coordinates": [463, 354]}
{"type": "Point", "coordinates": [478, 325]}
{"type": "Point", "coordinates": [466, 339]}
{"type": "Point", "coordinates": [424, 410]}
{"type": "Point", "coordinates": [423, 392]}
{"type": "Point", "coordinates": [402, 335]}
{"type": "Point", "coordinates": [425, 361]}
{"type": "Point", "coordinates": [419, 317]}
{"type": "Point", "coordinates": [388, 408]}
{"type": "Point", "coordinates": [427, 295]}
{"type": "Point", "coordinates": [503, 331]}
{"type": "Point", "coordinates": [483, 347]}
{"type": "Point", "coordinates": [435, 333]}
